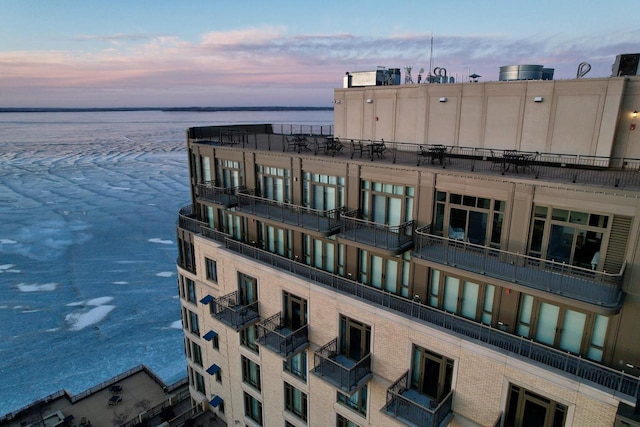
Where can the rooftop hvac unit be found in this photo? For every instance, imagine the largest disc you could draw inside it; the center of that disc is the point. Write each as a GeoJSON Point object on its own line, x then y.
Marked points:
{"type": "Point", "coordinates": [626, 65]}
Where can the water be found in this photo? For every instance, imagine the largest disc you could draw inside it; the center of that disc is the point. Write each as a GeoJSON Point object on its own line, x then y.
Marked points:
{"type": "Point", "coordinates": [88, 205]}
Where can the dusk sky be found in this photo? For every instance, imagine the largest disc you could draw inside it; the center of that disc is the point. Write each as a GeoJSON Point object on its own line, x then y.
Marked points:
{"type": "Point", "coordinates": [97, 53]}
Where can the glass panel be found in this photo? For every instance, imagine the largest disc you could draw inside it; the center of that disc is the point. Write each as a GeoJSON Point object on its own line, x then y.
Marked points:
{"type": "Point", "coordinates": [457, 224]}
{"type": "Point", "coordinates": [210, 217]}
{"type": "Point", "coordinates": [477, 227]}
{"type": "Point", "coordinates": [439, 220]}
{"type": "Point", "coordinates": [587, 252]}
{"type": "Point", "coordinates": [330, 198]}
{"type": "Point", "coordinates": [559, 214]}
{"type": "Point", "coordinates": [318, 197]}
{"type": "Point", "coordinates": [534, 414]}
{"type": "Point", "coordinates": [379, 209]}
{"type": "Point", "coordinates": [329, 257]}
{"type": "Point", "coordinates": [451, 289]}
{"type": "Point", "coordinates": [376, 272]}
{"type": "Point", "coordinates": [434, 288]}
{"type": "Point", "coordinates": [525, 315]}
{"type": "Point", "coordinates": [572, 331]}
{"type": "Point", "coordinates": [391, 276]}
{"type": "Point", "coordinates": [206, 168]}
{"type": "Point", "coordinates": [487, 310]}
{"type": "Point", "coordinates": [599, 330]}
{"type": "Point", "coordinates": [496, 229]}
{"type": "Point", "coordinates": [578, 217]}
{"type": "Point", "coordinates": [317, 253]}
{"type": "Point", "coordinates": [416, 368]}
{"type": "Point", "coordinates": [536, 236]}
{"type": "Point", "coordinates": [560, 243]}
{"type": "Point", "coordinates": [469, 299]}
{"type": "Point", "coordinates": [395, 211]}
{"type": "Point", "coordinates": [547, 323]}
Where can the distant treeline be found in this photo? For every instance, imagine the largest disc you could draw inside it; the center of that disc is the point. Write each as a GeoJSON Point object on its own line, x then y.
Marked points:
{"type": "Point", "coordinates": [172, 109]}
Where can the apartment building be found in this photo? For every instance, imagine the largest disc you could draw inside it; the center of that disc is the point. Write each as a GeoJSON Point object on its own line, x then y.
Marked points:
{"type": "Point", "coordinates": [444, 254]}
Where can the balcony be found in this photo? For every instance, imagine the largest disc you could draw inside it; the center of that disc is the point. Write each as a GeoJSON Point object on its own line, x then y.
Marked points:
{"type": "Point", "coordinates": [228, 310]}
{"type": "Point", "coordinates": [593, 287]}
{"type": "Point", "coordinates": [339, 370]}
{"type": "Point", "coordinates": [411, 407]}
{"type": "Point", "coordinates": [323, 222]}
{"type": "Point", "coordinates": [394, 239]}
{"type": "Point", "coordinates": [212, 193]}
{"type": "Point", "coordinates": [187, 220]}
{"type": "Point", "coordinates": [277, 337]}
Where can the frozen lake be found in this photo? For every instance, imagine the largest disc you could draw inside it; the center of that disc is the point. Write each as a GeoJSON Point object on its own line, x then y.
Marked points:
{"type": "Point", "coordinates": [88, 205]}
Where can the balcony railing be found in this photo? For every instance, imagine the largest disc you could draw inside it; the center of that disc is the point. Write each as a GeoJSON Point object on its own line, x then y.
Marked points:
{"type": "Point", "coordinates": [213, 193]}
{"type": "Point", "coordinates": [593, 287]}
{"type": "Point", "coordinates": [400, 404]}
{"type": "Point", "coordinates": [229, 310]}
{"type": "Point", "coordinates": [339, 370]}
{"type": "Point", "coordinates": [326, 222]}
{"type": "Point", "coordinates": [395, 239]}
{"type": "Point", "coordinates": [277, 337]}
{"type": "Point", "coordinates": [618, 383]}
{"type": "Point", "coordinates": [187, 220]}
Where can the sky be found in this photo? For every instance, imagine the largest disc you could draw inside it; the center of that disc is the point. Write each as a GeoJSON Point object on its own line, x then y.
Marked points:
{"type": "Point", "coordinates": [159, 53]}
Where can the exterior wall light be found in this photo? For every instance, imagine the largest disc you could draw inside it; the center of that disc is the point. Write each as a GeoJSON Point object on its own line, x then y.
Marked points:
{"type": "Point", "coordinates": [537, 99]}
{"type": "Point", "coordinates": [443, 99]}
{"type": "Point", "coordinates": [635, 114]}
{"type": "Point", "coordinates": [369, 101]}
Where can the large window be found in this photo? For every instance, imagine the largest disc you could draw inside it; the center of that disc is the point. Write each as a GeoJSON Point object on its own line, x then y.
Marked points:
{"type": "Point", "coordinates": [386, 203]}
{"type": "Point", "coordinates": [295, 311]}
{"type": "Point", "coordinates": [233, 225]}
{"type": "Point", "coordinates": [567, 236]}
{"type": "Point", "coordinates": [325, 254]}
{"type": "Point", "coordinates": [356, 402]}
{"type": "Point", "coordinates": [212, 269]}
{"type": "Point", "coordinates": [196, 352]}
{"type": "Point", "coordinates": [323, 192]}
{"type": "Point", "coordinates": [431, 373]}
{"type": "Point", "coordinates": [190, 290]}
{"type": "Point", "coordinates": [252, 408]}
{"type": "Point", "coordinates": [468, 299]}
{"type": "Point", "coordinates": [197, 380]}
{"type": "Point", "coordinates": [247, 289]}
{"type": "Point", "coordinates": [205, 162]}
{"type": "Point", "coordinates": [251, 373]}
{"type": "Point", "coordinates": [229, 173]}
{"type": "Point", "coordinates": [525, 408]}
{"type": "Point", "coordinates": [194, 326]}
{"type": "Point", "coordinates": [248, 337]}
{"type": "Point", "coordinates": [273, 183]}
{"type": "Point", "coordinates": [565, 328]}
{"type": "Point", "coordinates": [388, 273]}
{"type": "Point", "coordinates": [473, 219]}
{"type": "Point", "coordinates": [297, 365]}
{"type": "Point", "coordinates": [355, 338]}
{"type": "Point", "coordinates": [276, 240]}
{"type": "Point", "coordinates": [295, 401]}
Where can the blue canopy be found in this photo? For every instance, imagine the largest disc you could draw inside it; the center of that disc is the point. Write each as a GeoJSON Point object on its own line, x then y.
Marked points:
{"type": "Point", "coordinates": [216, 401]}
{"type": "Point", "coordinates": [207, 299]}
{"type": "Point", "coordinates": [210, 335]}
{"type": "Point", "coordinates": [213, 369]}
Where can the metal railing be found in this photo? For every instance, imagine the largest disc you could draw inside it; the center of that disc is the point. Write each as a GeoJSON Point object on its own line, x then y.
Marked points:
{"type": "Point", "coordinates": [230, 310]}
{"type": "Point", "coordinates": [187, 220]}
{"type": "Point", "coordinates": [618, 382]}
{"type": "Point", "coordinates": [213, 193]}
{"type": "Point", "coordinates": [594, 287]}
{"type": "Point", "coordinates": [400, 406]}
{"type": "Point", "coordinates": [394, 238]}
{"type": "Point", "coordinates": [297, 129]}
{"type": "Point", "coordinates": [325, 221]}
{"type": "Point", "coordinates": [273, 334]}
{"type": "Point", "coordinates": [156, 410]}
{"type": "Point", "coordinates": [327, 366]}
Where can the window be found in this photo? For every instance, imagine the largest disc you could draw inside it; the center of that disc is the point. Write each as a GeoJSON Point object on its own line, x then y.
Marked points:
{"type": "Point", "coordinates": [186, 255]}
{"type": "Point", "coordinates": [388, 273]}
{"type": "Point", "coordinates": [321, 253]}
{"type": "Point", "coordinates": [273, 183]}
{"type": "Point", "coordinates": [386, 203]}
{"type": "Point", "coordinates": [212, 269]}
{"type": "Point", "coordinates": [206, 168]}
{"type": "Point", "coordinates": [233, 225]}
{"type": "Point", "coordinates": [193, 323]}
{"type": "Point", "coordinates": [567, 236]}
{"type": "Point", "coordinates": [215, 342]}
{"type": "Point", "coordinates": [323, 192]}
{"type": "Point", "coordinates": [251, 373]}
{"type": "Point", "coordinates": [252, 408]}
{"type": "Point", "coordinates": [276, 240]}
{"type": "Point", "coordinates": [196, 352]}
{"type": "Point", "coordinates": [247, 289]}
{"type": "Point", "coordinates": [431, 373]}
{"type": "Point", "coordinates": [229, 173]}
{"type": "Point", "coordinates": [355, 338]}
{"type": "Point", "coordinates": [344, 422]}
{"type": "Point", "coordinates": [297, 365]}
{"type": "Point", "coordinates": [356, 402]}
{"type": "Point", "coordinates": [525, 408]}
{"type": "Point", "coordinates": [198, 381]}
{"type": "Point", "coordinates": [562, 327]}
{"type": "Point", "coordinates": [473, 219]}
{"type": "Point", "coordinates": [295, 311]}
{"type": "Point", "coordinates": [248, 338]}
{"type": "Point", "coordinates": [295, 401]}
{"type": "Point", "coordinates": [468, 299]}
{"type": "Point", "coordinates": [190, 290]}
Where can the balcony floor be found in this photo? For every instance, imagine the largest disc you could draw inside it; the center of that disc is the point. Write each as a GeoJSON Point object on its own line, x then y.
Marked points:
{"type": "Point", "coordinates": [381, 239]}
{"type": "Point", "coordinates": [308, 221]}
{"type": "Point", "coordinates": [282, 342]}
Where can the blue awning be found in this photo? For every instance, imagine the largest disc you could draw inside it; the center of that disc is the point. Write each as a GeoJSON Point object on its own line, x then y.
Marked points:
{"type": "Point", "coordinates": [213, 369]}
{"type": "Point", "coordinates": [207, 299]}
{"type": "Point", "coordinates": [210, 335]}
{"type": "Point", "coordinates": [215, 401]}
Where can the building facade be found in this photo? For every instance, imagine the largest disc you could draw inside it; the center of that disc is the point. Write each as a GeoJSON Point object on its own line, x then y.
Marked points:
{"type": "Point", "coordinates": [442, 254]}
